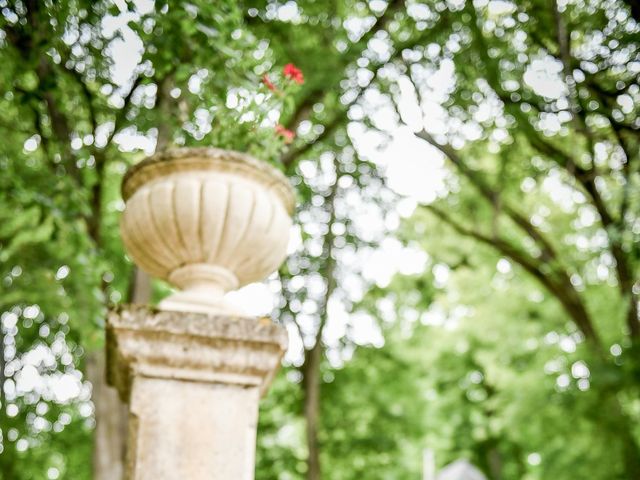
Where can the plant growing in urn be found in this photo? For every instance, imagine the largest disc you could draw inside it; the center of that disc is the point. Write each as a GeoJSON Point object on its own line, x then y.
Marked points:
{"type": "Point", "coordinates": [212, 219]}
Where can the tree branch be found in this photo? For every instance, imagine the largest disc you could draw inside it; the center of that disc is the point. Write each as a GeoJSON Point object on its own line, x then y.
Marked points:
{"type": "Point", "coordinates": [290, 158]}
{"type": "Point", "coordinates": [585, 177]}
{"type": "Point", "coordinates": [564, 47]}
{"type": "Point", "coordinates": [549, 253]}
{"type": "Point", "coordinates": [122, 113]}
{"type": "Point", "coordinates": [316, 95]}
{"type": "Point", "coordinates": [86, 93]}
{"type": "Point", "coordinates": [559, 287]}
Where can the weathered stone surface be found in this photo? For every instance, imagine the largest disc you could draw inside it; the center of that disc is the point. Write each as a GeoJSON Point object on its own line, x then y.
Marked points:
{"type": "Point", "coordinates": [460, 470]}
{"type": "Point", "coordinates": [207, 221]}
{"type": "Point", "coordinates": [193, 383]}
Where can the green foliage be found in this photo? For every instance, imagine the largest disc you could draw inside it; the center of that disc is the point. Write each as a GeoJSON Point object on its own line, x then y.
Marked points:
{"type": "Point", "coordinates": [370, 427]}
{"type": "Point", "coordinates": [244, 120]}
{"type": "Point", "coordinates": [514, 349]}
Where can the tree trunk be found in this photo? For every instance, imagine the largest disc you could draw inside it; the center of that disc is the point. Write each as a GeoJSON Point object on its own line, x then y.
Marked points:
{"type": "Point", "coordinates": [620, 421]}
{"type": "Point", "coordinates": [313, 357]}
{"type": "Point", "coordinates": [494, 459]}
{"type": "Point", "coordinates": [111, 414]}
{"type": "Point", "coordinates": [109, 440]}
{"type": "Point", "coordinates": [311, 385]}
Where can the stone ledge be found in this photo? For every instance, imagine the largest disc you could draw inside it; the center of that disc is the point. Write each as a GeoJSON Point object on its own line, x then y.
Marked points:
{"type": "Point", "coordinates": [196, 347]}
{"type": "Point", "coordinates": [208, 158]}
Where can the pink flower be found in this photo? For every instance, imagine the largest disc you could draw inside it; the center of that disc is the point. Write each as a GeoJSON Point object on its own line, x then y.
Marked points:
{"type": "Point", "coordinates": [294, 73]}
{"type": "Point", "coordinates": [285, 133]}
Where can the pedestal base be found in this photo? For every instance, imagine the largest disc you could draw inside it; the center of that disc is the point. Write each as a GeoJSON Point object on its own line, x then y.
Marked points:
{"type": "Point", "coordinates": [192, 382]}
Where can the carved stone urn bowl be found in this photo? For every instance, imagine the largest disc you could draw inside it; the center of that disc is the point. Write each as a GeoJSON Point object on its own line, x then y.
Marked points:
{"type": "Point", "coordinates": [207, 221]}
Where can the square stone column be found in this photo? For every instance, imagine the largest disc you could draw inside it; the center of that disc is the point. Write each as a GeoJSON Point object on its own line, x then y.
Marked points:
{"type": "Point", "coordinates": [192, 382]}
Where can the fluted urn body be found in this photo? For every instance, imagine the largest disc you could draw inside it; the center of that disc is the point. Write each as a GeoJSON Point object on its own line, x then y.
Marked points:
{"type": "Point", "coordinates": [207, 221]}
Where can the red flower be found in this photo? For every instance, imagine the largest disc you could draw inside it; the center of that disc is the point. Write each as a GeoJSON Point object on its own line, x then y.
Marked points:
{"type": "Point", "coordinates": [294, 73]}
{"type": "Point", "coordinates": [268, 84]}
{"type": "Point", "coordinates": [285, 133]}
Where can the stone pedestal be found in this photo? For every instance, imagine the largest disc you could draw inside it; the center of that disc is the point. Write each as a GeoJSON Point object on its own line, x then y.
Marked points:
{"type": "Point", "coordinates": [192, 382]}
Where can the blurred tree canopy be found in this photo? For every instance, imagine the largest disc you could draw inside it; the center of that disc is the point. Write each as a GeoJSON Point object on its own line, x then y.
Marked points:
{"type": "Point", "coordinates": [513, 338]}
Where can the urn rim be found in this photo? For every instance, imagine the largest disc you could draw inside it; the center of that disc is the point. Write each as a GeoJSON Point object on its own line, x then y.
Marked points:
{"type": "Point", "coordinates": [175, 160]}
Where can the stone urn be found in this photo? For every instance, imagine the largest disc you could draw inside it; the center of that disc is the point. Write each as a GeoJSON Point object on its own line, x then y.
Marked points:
{"type": "Point", "coordinates": [207, 221]}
